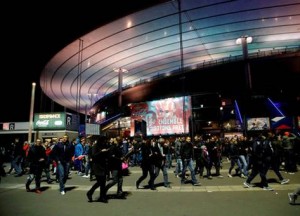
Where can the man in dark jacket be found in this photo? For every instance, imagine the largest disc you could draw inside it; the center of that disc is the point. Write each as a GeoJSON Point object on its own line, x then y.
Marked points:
{"type": "Point", "coordinates": [187, 156]}
{"type": "Point", "coordinates": [146, 164]}
{"type": "Point", "coordinates": [62, 154]}
{"type": "Point", "coordinates": [100, 151]}
{"type": "Point", "coordinates": [262, 154]}
{"type": "Point", "coordinates": [115, 159]}
{"type": "Point", "coordinates": [36, 158]}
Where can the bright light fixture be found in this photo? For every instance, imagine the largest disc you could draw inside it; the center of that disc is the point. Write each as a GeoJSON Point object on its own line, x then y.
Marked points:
{"type": "Point", "coordinates": [239, 40]}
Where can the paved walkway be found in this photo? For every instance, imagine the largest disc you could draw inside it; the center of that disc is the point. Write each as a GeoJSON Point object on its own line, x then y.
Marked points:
{"type": "Point", "coordinates": [218, 196]}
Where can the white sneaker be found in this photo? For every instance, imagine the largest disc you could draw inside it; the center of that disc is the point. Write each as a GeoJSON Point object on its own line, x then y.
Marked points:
{"type": "Point", "coordinates": [268, 188]}
{"type": "Point", "coordinates": [247, 185]}
{"type": "Point", "coordinates": [284, 181]}
{"type": "Point", "coordinates": [86, 176]}
{"type": "Point", "coordinates": [62, 193]}
{"type": "Point", "coordinates": [243, 176]}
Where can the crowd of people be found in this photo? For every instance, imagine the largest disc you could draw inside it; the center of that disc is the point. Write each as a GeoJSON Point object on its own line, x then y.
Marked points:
{"type": "Point", "coordinates": [104, 158]}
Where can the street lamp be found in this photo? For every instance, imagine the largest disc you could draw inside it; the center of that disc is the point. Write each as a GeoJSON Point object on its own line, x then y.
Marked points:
{"type": "Point", "coordinates": [244, 40]}
{"type": "Point", "coordinates": [91, 97]}
{"type": "Point", "coordinates": [31, 112]}
{"type": "Point", "coordinates": [120, 83]}
{"type": "Point", "coordinates": [120, 86]}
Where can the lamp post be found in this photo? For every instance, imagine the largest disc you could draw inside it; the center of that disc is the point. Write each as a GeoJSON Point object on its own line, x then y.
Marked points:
{"type": "Point", "coordinates": [244, 40]}
{"type": "Point", "coordinates": [120, 72]}
{"type": "Point", "coordinates": [120, 83]}
{"type": "Point", "coordinates": [31, 112]}
{"type": "Point", "coordinates": [91, 97]}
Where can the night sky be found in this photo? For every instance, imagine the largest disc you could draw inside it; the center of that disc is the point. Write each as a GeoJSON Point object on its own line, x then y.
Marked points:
{"type": "Point", "coordinates": [32, 33]}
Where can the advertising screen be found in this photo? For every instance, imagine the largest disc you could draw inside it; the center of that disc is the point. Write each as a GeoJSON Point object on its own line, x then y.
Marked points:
{"type": "Point", "coordinates": [46, 121]}
{"type": "Point", "coordinates": [258, 123]}
{"type": "Point", "coordinates": [163, 117]}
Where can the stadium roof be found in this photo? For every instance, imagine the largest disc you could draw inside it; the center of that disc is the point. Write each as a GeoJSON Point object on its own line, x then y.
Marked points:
{"type": "Point", "coordinates": [163, 39]}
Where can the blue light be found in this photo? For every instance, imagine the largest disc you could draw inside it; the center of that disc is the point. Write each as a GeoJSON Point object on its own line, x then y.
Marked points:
{"type": "Point", "coordinates": [238, 113]}
{"type": "Point", "coordinates": [276, 108]}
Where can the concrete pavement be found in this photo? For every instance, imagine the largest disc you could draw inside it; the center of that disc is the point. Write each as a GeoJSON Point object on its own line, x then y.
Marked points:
{"type": "Point", "coordinates": [218, 196]}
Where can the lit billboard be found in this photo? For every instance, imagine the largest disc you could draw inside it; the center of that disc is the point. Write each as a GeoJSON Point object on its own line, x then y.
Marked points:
{"type": "Point", "coordinates": [56, 121]}
{"type": "Point", "coordinates": [46, 121]}
{"type": "Point", "coordinates": [163, 117]}
{"type": "Point", "coordinates": [254, 124]}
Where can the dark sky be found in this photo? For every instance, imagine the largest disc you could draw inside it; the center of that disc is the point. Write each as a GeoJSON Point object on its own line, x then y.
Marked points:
{"type": "Point", "coordinates": [32, 33]}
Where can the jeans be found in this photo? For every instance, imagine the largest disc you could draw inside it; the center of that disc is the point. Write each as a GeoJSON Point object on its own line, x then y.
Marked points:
{"type": "Point", "coordinates": [179, 166]}
{"type": "Point", "coordinates": [63, 172]}
{"type": "Point", "coordinates": [164, 169]}
{"type": "Point", "coordinates": [244, 164]}
{"type": "Point", "coordinates": [169, 161]}
{"type": "Point", "coordinates": [17, 164]}
{"type": "Point", "coordinates": [87, 168]}
{"type": "Point", "coordinates": [188, 163]}
{"type": "Point", "coordinates": [125, 148]}
{"type": "Point", "coordinates": [234, 161]}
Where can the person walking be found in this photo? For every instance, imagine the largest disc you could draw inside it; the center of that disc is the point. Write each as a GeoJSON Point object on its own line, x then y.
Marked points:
{"type": "Point", "coordinates": [146, 164]}
{"type": "Point", "coordinates": [115, 159]}
{"type": "Point", "coordinates": [214, 147]}
{"type": "Point", "coordinates": [86, 149]}
{"type": "Point", "coordinates": [164, 147]}
{"type": "Point", "coordinates": [261, 153]}
{"type": "Point", "coordinates": [90, 158]}
{"type": "Point", "coordinates": [290, 158]}
{"type": "Point", "coordinates": [205, 163]}
{"type": "Point", "coordinates": [18, 157]}
{"type": "Point", "coordinates": [36, 158]}
{"type": "Point", "coordinates": [100, 152]}
{"type": "Point", "coordinates": [276, 143]}
{"type": "Point", "coordinates": [62, 154]}
{"type": "Point", "coordinates": [78, 156]}
{"type": "Point", "coordinates": [156, 161]}
{"type": "Point", "coordinates": [178, 168]}
{"type": "Point", "coordinates": [198, 142]}
{"type": "Point", "coordinates": [242, 143]}
{"type": "Point", "coordinates": [233, 155]}
{"type": "Point", "coordinates": [187, 155]}
{"type": "Point", "coordinates": [48, 149]}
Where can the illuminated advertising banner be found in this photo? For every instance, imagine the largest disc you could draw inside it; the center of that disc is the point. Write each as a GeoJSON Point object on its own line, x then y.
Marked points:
{"type": "Point", "coordinates": [49, 121]}
{"type": "Point", "coordinates": [258, 123]}
{"type": "Point", "coordinates": [163, 117]}
{"type": "Point", "coordinates": [282, 123]}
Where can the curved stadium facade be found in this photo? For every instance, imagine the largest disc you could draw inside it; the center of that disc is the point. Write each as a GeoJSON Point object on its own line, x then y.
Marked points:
{"type": "Point", "coordinates": [186, 48]}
